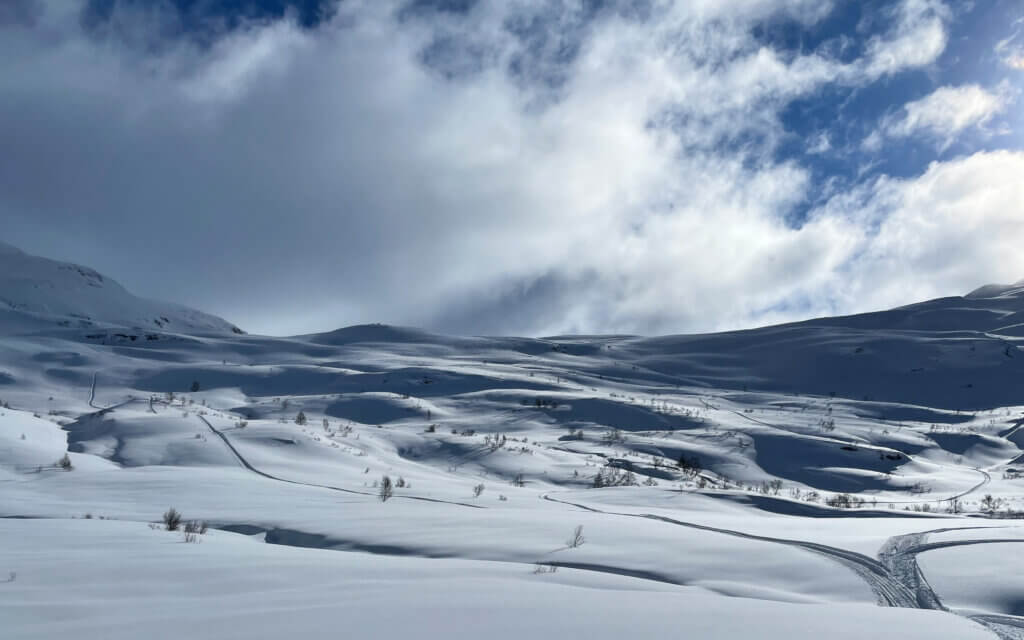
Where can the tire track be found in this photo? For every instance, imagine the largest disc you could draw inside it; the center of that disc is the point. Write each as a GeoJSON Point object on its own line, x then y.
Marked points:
{"type": "Point", "coordinates": [895, 577]}
{"type": "Point", "coordinates": [889, 591]}
{"type": "Point", "coordinates": [899, 553]}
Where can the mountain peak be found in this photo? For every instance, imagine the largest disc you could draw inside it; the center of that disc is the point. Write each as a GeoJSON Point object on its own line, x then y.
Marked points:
{"type": "Point", "coordinates": [998, 290]}
{"type": "Point", "coordinates": [37, 290]}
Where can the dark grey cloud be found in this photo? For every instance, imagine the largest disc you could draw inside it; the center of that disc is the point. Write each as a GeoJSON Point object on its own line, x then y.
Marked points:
{"type": "Point", "coordinates": [22, 13]}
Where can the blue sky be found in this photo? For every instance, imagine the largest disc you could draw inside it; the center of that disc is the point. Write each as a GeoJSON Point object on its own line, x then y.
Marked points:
{"type": "Point", "coordinates": [529, 166]}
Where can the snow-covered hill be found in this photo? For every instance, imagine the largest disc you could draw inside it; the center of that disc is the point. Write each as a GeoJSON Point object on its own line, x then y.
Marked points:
{"type": "Point", "coordinates": [955, 353]}
{"type": "Point", "coordinates": [37, 292]}
{"type": "Point", "coordinates": [841, 476]}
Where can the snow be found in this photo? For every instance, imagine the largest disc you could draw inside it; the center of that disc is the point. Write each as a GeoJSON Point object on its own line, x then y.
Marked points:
{"type": "Point", "coordinates": [495, 444]}
{"type": "Point", "coordinates": [131, 581]}
{"type": "Point", "coordinates": [75, 296]}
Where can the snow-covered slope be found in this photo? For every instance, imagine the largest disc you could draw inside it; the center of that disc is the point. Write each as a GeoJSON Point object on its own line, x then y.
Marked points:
{"type": "Point", "coordinates": [37, 292]}
{"type": "Point", "coordinates": [955, 353]}
{"type": "Point", "coordinates": [774, 483]}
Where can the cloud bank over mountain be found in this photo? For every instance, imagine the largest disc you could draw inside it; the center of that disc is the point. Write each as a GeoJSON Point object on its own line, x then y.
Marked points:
{"type": "Point", "coordinates": [518, 167]}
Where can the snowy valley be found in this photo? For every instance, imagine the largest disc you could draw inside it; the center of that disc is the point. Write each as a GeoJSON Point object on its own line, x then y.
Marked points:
{"type": "Point", "coordinates": [843, 477]}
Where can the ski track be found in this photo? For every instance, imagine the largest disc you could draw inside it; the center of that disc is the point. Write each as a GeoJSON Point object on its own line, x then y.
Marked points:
{"type": "Point", "coordinates": [890, 592]}
{"type": "Point", "coordinates": [895, 577]}
{"type": "Point", "coordinates": [900, 554]}
{"type": "Point", "coordinates": [245, 463]}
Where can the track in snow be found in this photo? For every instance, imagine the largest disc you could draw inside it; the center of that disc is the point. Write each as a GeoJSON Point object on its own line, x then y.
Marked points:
{"type": "Point", "coordinates": [895, 577]}
{"type": "Point", "coordinates": [245, 463]}
{"type": "Point", "coordinates": [899, 553]}
{"type": "Point", "coordinates": [889, 591]}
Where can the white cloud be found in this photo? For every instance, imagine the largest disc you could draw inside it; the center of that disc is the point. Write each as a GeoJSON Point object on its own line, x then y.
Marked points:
{"type": "Point", "coordinates": [1011, 49]}
{"type": "Point", "coordinates": [820, 144]}
{"type": "Point", "coordinates": [303, 179]}
{"type": "Point", "coordinates": [959, 225]}
{"type": "Point", "coordinates": [918, 37]}
{"type": "Point", "coordinates": [944, 114]}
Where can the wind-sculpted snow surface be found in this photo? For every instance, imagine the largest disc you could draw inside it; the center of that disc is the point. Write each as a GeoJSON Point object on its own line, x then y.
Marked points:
{"type": "Point", "coordinates": [778, 483]}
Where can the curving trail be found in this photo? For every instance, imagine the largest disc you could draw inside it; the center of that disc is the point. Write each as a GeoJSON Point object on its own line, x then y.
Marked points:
{"type": "Point", "coordinates": [899, 553]}
{"type": "Point", "coordinates": [245, 463]}
{"type": "Point", "coordinates": [889, 591]}
{"type": "Point", "coordinates": [894, 577]}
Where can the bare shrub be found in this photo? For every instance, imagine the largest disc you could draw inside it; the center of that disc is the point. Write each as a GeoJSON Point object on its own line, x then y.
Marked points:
{"type": "Point", "coordinates": [990, 505]}
{"type": "Point", "coordinates": [844, 501]}
{"type": "Point", "coordinates": [613, 436]}
{"type": "Point", "coordinates": [387, 489]}
{"type": "Point", "coordinates": [477, 490]}
{"type": "Point", "coordinates": [689, 465]}
{"type": "Point", "coordinates": [65, 463]}
{"type": "Point", "coordinates": [193, 529]}
{"type": "Point", "coordinates": [172, 519]}
{"type": "Point", "coordinates": [577, 537]}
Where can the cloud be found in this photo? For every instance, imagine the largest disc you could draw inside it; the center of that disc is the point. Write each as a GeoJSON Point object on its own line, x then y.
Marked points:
{"type": "Point", "coordinates": [528, 167]}
{"type": "Point", "coordinates": [959, 224]}
{"type": "Point", "coordinates": [20, 13]}
{"type": "Point", "coordinates": [1010, 50]}
{"type": "Point", "coordinates": [820, 144]}
{"type": "Point", "coordinates": [944, 114]}
{"type": "Point", "coordinates": [918, 37]}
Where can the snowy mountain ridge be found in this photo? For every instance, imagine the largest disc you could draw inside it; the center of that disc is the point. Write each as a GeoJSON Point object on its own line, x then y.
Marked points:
{"type": "Point", "coordinates": [33, 288]}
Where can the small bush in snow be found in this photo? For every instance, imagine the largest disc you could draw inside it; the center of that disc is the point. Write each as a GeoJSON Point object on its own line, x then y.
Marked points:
{"type": "Point", "coordinates": [400, 482]}
{"type": "Point", "coordinates": [689, 465]}
{"type": "Point", "coordinates": [613, 435]}
{"type": "Point", "coordinates": [991, 505]}
{"type": "Point", "coordinates": [844, 501]}
{"type": "Point", "coordinates": [193, 529]}
{"type": "Point", "coordinates": [577, 537]}
{"type": "Point", "coordinates": [477, 490]}
{"type": "Point", "coordinates": [65, 463]}
{"type": "Point", "coordinates": [172, 519]}
{"type": "Point", "coordinates": [387, 489]}
{"type": "Point", "coordinates": [300, 419]}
